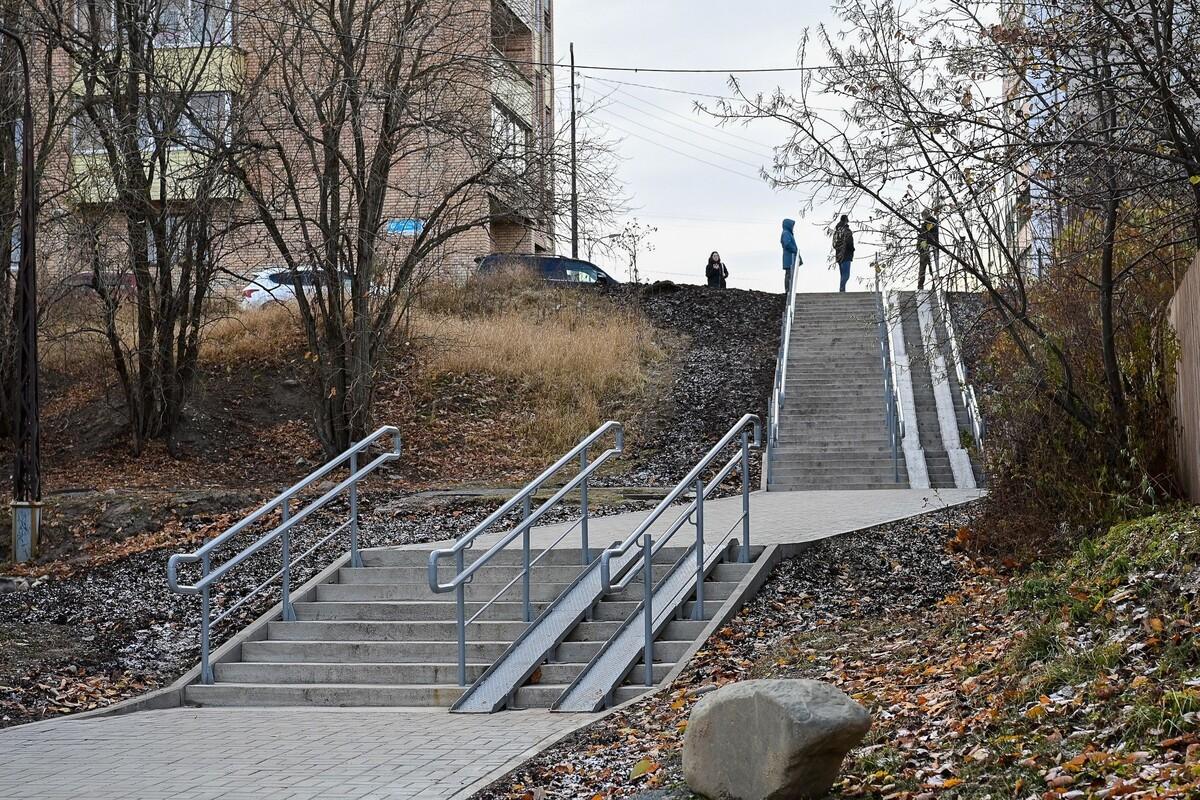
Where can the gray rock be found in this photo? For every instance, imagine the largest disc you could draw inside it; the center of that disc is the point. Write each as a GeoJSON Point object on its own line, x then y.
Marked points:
{"type": "Point", "coordinates": [770, 739]}
{"type": "Point", "coordinates": [12, 585]}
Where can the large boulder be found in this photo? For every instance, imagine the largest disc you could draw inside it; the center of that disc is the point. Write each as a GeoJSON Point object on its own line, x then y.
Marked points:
{"type": "Point", "coordinates": [770, 740]}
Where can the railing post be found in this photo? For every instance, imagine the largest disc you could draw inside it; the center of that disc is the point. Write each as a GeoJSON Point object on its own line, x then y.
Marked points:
{"type": "Point", "coordinates": [583, 503]}
{"type": "Point", "coordinates": [525, 551]}
{"type": "Point", "coordinates": [206, 671]}
{"type": "Point", "coordinates": [289, 613]}
{"type": "Point", "coordinates": [648, 607]}
{"type": "Point", "coordinates": [745, 559]}
{"type": "Point", "coordinates": [698, 612]}
{"type": "Point", "coordinates": [460, 602]}
{"type": "Point", "coordinates": [355, 557]}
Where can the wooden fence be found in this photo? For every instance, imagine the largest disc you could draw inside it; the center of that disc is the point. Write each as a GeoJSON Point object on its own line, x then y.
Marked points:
{"type": "Point", "coordinates": [1185, 318]}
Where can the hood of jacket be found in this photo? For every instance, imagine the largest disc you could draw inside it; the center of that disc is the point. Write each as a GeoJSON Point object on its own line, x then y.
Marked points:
{"type": "Point", "coordinates": [789, 225]}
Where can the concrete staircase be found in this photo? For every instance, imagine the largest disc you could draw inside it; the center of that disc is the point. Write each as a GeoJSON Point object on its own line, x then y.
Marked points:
{"type": "Point", "coordinates": [377, 636]}
{"type": "Point", "coordinates": [585, 641]}
{"type": "Point", "coordinates": [922, 373]}
{"type": "Point", "coordinates": [937, 463]}
{"type": "Point", "coordinates": [833, 423]}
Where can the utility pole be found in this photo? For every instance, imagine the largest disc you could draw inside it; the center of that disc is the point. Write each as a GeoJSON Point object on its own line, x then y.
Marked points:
{"type": "Point", "coordinates": [574, 167]}
{"type": "Point", "coordinates": [27, 479]}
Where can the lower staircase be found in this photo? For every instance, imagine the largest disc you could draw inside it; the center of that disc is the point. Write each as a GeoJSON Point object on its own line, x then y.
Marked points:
{"type": "Point", "coordinates": [376, 635]}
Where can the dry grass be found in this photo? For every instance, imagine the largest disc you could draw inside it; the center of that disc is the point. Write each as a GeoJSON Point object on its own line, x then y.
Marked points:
{"type": "Point", "coordinates": [579, 357]}
{"type": "Point", "coordinates": [256, 335]}
{"type": "Point", "coordinates": [573, 357]}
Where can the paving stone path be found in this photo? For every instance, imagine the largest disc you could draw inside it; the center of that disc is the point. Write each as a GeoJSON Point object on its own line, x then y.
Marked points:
{"type": "Point", "coordinates": [301, 753]}
{"type": "Point", "coordinates": [269, 754]}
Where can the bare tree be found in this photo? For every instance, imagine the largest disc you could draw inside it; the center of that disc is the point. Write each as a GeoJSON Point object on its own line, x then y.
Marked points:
{"type": "Point", "coordinates": [1074, 133]}
{"type": "Point", "coordinates": [378, 157]}
{"type": "Point", "coordinates": [152, 108]}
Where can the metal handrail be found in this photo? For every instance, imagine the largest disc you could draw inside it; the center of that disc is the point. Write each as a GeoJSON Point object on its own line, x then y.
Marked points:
{"type": "Point", "coordinates": [779, 391]}
{"type": "Point", "coordinates": [967, 390]}
{"type": "Point", "coordinates": [282, 532]}
{"type": "Point", "coordinates": [463, 574]}
{"type": "Point", "coordinates": [696, 507]}
{"type": "Point", "coordinates": [895, 423]}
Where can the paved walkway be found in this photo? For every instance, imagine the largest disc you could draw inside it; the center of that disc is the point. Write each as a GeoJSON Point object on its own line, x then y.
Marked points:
{"type": "Point", "coordinates": [269, 754]}
{"type": "Point", "coordinates": [301, 753]}
{"type": "Point", "coordinates": [777, 517]}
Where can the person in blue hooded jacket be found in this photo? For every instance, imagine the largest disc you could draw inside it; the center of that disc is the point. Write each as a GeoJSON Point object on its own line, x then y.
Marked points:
{"type": "Point", "coordinates": [791, 254]}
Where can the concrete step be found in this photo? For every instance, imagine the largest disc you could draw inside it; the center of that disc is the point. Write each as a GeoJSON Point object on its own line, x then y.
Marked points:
{"type": "Point", "coordinates": [357, 631]}
{"type": "Point", "coordinates": [729, 572]}
{"type": "Point", "coordinates": [406, 652]}
{"type": "Point", "coordinates": [539, 591]}
{"type": "Point", "coordinates": [684, 630]}
{"type": "Point", "coordinates": [594, 631]}
{"type": "Point", "coordinates": [411, 611]}
{"type": "Point", "coordinates": [341, 673]}
{"type": "Point", "coordinates": [831, 484]}
{"type": "Point", "coordinates": [329, 695]}
{"type": "Point", "coordinates": [489, 574]}
{"type": "Point", "coordinates": [583, 652]}
{"type": "Point", "coordinates": [713, 590]}
{"type": "Point", "coordinates": [396, 557]}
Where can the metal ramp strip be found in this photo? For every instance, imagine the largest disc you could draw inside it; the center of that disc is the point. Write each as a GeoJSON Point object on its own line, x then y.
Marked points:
{"type": "Point", "coordinates": [522, 658]}
{"type": "Point", "coordinates": [592, 688]}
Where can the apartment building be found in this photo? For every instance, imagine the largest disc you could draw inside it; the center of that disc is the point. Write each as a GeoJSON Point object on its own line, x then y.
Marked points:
{"type": "Point", "coordinates": [248, 78]}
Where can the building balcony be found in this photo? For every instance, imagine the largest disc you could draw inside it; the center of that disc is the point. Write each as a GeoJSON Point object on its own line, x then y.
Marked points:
{"type": "Point", "coordinates": [188, 177]}
{"type": "Point", "coordinates": [522, 10]}
{"type": "Point", "coordinates": [513, 90]}
{"type": "Point", "coordinates": [210, 68]}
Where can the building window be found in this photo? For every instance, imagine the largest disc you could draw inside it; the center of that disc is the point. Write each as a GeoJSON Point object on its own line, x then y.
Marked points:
{"type": "Point", "coordinates": [181, 23]}
{"type": "Point", "coordinates": [512, 138]}
{"type": "Point", "coordinates": [193, 22]}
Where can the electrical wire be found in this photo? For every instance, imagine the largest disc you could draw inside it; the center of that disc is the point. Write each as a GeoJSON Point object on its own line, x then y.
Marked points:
{"type": "Point", "coordinates": [681, 153]}
{"type": "Point", "coordinates": [680, 139]}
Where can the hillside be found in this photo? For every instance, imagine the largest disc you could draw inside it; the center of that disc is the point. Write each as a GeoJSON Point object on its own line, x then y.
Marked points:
{"type": "Point", "coordinates": [1080, 679]}
{"type": "Point", "coordinates": [493, 388]}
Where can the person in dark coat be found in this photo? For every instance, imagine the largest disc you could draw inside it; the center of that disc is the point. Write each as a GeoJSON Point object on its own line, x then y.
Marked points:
{"type": "Point", "coordinates": [715, 271]}
{"type": "Point", "coordinates": [843, 249]}
{"type": "Point", "coordinates": [927, 245]}
{"type": "Point", "coordinates": [791, 253]}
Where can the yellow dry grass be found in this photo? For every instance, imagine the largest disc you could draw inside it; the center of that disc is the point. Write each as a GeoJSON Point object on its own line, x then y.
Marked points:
{"type": "Point", "coordinates": [579, 356]}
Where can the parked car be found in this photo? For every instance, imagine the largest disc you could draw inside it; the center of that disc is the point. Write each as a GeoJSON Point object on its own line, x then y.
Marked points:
{"type": "Point", "coordinates": [277, 285]}
{"type": "Point", "coordinates": [119, 286]}
{"type": "Point", "coordinates": [554, 269]}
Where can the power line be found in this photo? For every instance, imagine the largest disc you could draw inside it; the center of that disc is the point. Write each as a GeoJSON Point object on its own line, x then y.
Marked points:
{"type": "Point", "coordinates": [692, 120]}
{"type": "Point", "coordinates": [763, 151]}
{"type": "Point", "coordinates": [681, 153]}
{"type": "Point", "coordinates": [680, 139]}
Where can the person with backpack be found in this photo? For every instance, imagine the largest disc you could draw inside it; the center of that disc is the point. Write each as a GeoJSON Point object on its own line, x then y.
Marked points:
{"type": "Point", "coordinates": [843, 249]}
{"type": "Point", "coordinates": [927, 245]}
{"type": "Point", "coordinates": [716, 272]}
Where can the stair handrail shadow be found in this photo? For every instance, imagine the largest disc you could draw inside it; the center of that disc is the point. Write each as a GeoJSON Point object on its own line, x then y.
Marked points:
{"type": "Point", "coordinates": [282, 503]}
{"type": "Point", "coordinates": [464, 574]}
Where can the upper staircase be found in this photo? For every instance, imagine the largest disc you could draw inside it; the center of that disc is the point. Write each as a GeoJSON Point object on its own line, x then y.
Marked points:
{"type": "Point", "coordinates": [833, 427]}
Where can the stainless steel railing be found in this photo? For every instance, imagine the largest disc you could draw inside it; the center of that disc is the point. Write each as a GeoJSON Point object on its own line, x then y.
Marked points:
{"type": "Point", "coordinates": [694, 511]}
{"type": "Point", "coordinates": [965, 388]}
{"type": "Point", "coordinates": [210, 577]}
{"type": "Point", "coordinates": [895, 423]}
{"type": "Point", "coordinates": [779, 392]}
{"type": "Point", "coordinates": [464, 574]}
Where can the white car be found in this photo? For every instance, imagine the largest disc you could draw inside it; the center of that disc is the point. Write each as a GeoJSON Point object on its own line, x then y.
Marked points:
{"type": "Point", "coordinates": [279, 286]}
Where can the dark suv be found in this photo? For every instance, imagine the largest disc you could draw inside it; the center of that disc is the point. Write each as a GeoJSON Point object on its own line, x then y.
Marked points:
{"type": "Point", "coordinates": [555, 269]}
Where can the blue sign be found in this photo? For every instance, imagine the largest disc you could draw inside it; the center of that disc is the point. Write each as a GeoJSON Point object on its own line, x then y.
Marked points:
{"type": "Point", "coordinates": [405, 227]}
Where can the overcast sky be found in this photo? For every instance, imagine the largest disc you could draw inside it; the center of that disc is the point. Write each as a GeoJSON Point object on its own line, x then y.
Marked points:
{"type": "Point", "coordinates": [699, 207]}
